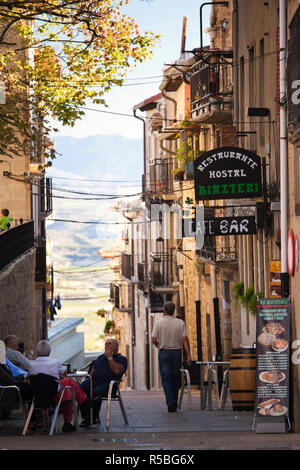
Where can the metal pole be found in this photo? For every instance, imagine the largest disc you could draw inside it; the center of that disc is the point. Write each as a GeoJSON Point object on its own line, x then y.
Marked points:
{"type": "Point", "coordinates": [283, 148]}
{"type": "Point", "coordinates": [201, 27]}
{"type": "Point", "coordinates": [198, 319]}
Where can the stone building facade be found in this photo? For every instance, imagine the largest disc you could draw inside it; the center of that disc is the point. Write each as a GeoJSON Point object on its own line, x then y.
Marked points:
{"type": "Point", "coordinates": [27, 194]}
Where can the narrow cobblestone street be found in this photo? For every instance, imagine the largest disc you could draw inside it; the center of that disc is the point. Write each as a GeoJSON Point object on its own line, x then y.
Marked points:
{"type": "Point", "coordinates": [151, 427]}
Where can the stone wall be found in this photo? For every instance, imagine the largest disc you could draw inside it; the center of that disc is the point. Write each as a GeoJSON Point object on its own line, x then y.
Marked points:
{"type": "Point", "coordinates": [19, 312]}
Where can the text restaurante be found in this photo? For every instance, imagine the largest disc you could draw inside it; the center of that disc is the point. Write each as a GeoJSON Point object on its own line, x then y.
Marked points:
{"type": "Point", "coordinates": [220, 155]}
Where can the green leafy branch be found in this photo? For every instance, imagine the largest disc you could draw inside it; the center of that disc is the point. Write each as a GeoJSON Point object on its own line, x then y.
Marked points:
{"type": "Point", "coordinates": [247, 298]}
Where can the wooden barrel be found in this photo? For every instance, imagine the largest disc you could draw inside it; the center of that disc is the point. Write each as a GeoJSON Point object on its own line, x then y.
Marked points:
{"type": "Point", "coordinates": [242, 379]}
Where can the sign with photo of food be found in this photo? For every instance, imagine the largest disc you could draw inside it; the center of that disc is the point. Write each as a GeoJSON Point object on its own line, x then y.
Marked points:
{"type": "Point", "coordinates": [275, 280]}
{"type": "Point", "coordinates": [272, 357]}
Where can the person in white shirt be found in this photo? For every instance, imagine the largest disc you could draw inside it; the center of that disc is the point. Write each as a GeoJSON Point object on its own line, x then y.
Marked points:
{"type": "Point", "coordinates": [169, 335]}
{"type": "Point", "coordinates": [44, 364]}
{"type": "Point", "coordinates": [13, 354]}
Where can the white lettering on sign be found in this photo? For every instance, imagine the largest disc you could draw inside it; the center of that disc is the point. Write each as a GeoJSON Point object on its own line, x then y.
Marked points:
{"type": "Point", "coordinates": [234, 226]}
{"type": "Point", "coordinates": [227, 174]}
{"type": "Point", "coordinates": [296, 94]}
{"type": "Point", "coordinates": [220, 155]}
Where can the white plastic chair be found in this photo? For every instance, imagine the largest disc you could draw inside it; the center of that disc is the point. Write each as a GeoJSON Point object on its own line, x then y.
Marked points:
{"type": "Point", "coordinates": [114, 397]}
{"type": "Point", "coordinates": [185, 380]}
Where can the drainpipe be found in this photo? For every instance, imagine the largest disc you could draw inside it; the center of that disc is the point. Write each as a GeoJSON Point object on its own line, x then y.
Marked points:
{"type": "Point", "coordinates": [235, 44]}
{"type": "Point", "coordinates": [144, 138]}
{"type": "Point", "coordinates": [198, 316]}
{"type": "Point", "coordinates": [283, 147]}
{"type": "Point", "coordinates": [165, 149]}
{"type": "Point", "coordinates": [164, 95]}
{"type": "Point", "coordinates": [147, 332]}
{"type": "Point", "coordinates": [201, 21]}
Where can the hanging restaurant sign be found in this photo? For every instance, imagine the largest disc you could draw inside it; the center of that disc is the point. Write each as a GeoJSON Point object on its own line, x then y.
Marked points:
{"type": "Point", "coordinates": [220, 226]}
{"type": "Point", "coordinates": [227, 173]}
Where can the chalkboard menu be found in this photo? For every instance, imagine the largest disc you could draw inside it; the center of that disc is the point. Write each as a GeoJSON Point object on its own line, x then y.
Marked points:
{"type": "Point", "coordinates": [272, 357]}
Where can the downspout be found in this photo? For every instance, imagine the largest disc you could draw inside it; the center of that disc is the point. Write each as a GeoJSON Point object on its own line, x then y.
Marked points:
{"type": "Point", "coordinates": [235, 44]}
{"type": "Point", "coordinates": [283, 147]}
{"type": "Point", "coordinates": [164, 95]}
{"type": "Point", "coordinates": [147, 332]}
{"type": "Point", "coordinates": [198, 314]}
{"type": "Point", "coordinates": [165, 149]}
{"type": "Point", "coordinates": [144, 138]}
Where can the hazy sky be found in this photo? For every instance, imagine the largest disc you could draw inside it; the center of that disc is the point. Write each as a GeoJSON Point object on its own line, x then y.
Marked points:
{"type": "Point", "coordinates": [164, 17]}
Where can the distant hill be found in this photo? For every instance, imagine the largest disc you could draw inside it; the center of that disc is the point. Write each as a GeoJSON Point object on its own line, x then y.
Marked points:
{"type": "Point", "coordinates": [96, 157]}
{"type": "Point", "coordinates": [100, 155]}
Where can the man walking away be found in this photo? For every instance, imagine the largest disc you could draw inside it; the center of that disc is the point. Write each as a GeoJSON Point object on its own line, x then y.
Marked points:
{"type": "Point", "coordinates": [169, 334]}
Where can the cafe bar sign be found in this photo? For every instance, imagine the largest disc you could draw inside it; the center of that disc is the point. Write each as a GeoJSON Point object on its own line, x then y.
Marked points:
{"type": "Point", "coordinates": [227, 173]}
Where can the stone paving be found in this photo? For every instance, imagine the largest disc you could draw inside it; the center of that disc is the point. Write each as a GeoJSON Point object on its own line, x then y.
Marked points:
{"type": "Point", "coordinates": [152, 427]}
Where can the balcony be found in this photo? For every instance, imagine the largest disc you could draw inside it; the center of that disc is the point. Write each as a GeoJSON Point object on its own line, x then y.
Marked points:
{"type": "Point", "coordinates": [15, 242]}
{"type": "Point", "coordinates": [120, 295]}
{"type": "Point", "coordinates": [157, 301]}
{"type": "Point", "coordinates": [126, 266]}
{"type": "Point", "coordinates": [141, 277]}
{"type": "Point", "coordinates": [161, 177]}
{"type": "Point", "coordinates": [217, 250]}
{"type": "Point", "coordinates": [162, 272]}
{"type": "Point", "coordinates": [211, 88]}
{"type": "Point", "coordinates": [41, 266]}
{"type": "Point", "coordinates": [46, 197]}
{"type": "Point", "coordinates": [117, 296]}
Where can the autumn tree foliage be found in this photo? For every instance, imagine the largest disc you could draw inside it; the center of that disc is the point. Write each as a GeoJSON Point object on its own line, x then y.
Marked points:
{"type": "Point", "coordinates": [54, 56]}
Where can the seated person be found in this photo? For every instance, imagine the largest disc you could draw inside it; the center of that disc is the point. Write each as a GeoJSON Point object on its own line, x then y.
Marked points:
{"type": "Point", "coordinates": [44, 364]}
{"type": "Point", "coordinates": [108, 366]}
{"type": "Point", "coordinates": [13, 354]}
{"type": "Point", "coordinates": [15, 370]}
{"type": "Point", "coordinates": [9, 399]}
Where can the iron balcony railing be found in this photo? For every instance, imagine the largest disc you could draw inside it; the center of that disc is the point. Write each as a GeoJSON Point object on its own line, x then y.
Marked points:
{"type": "Point", "coordinates": [216, 249]}
{"type": "Point", "coordinates": [111, 292]}
{"type": "Point", "coordinates": [141, 277]}
{"type": "Point", "coordinates": [46, 196]}
{"type": "Point", "coordinates": [15, 242]}
{"type": "Point", "coordinates": [162, 269]}
{"type": "Point", "coordinates": [126, 265]}
{"type": "Point", "coordinates": [120, 295]}
{"type": "Point", "coordinates": [157, 301]}
{"type": "Point", "coordinates": [117, 296]}
{"type": "Point", "coordinates": [41, 265]}
{"type": "Point", "coordinates": [161, 176]}
{"type": "Point", "coordinates": [211, 84]}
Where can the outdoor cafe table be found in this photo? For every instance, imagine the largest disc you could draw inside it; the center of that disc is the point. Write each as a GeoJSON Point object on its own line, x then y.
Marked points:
{"type": "Point", "coordinates": [210, 373]}
{"type": "Point", "coordinates": [79, 375]}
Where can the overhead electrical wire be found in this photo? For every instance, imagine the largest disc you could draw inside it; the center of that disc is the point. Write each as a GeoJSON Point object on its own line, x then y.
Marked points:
{"type": "Point", "coordinates": [95, 181]}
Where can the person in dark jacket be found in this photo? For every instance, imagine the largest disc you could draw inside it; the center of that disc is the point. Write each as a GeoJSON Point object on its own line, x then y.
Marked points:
{"type": "Point", "coordinates": [9, 398]}
{"type": "Point", "coordinates": [108, 366]}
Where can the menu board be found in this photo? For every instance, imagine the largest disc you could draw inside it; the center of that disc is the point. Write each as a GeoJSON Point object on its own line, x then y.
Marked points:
{"type": "Point", "coordinates": [272, 357]}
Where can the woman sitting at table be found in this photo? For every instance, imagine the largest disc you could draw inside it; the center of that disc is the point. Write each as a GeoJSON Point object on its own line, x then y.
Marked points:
{"type": "Point", "coordinates": [44, 364]}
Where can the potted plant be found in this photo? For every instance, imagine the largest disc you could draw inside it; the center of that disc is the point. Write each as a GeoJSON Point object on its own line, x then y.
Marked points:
{"type": "Point", "coordinates": [110, 324]}
{"type": "Point", "coordinates": [178, 173]}
{"type": "Point", "coordinates": [248, 297]}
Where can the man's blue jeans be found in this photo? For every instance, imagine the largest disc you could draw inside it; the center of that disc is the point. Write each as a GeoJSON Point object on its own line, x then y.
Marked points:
{"type": "Point", "coordinates": [169, 367]}
{"type": "Point", "coordinates": [98, 391]}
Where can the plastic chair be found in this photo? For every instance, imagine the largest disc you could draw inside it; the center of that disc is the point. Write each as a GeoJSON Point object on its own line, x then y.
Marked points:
{"type": "Point", "coordinates": [185, 380]}
{"type": "Point", "coordinates": [48, 405]}
{"type": "Point", "coordinates": [114, 394]}
{"type": "Point", "coordinates": [3, 388]}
